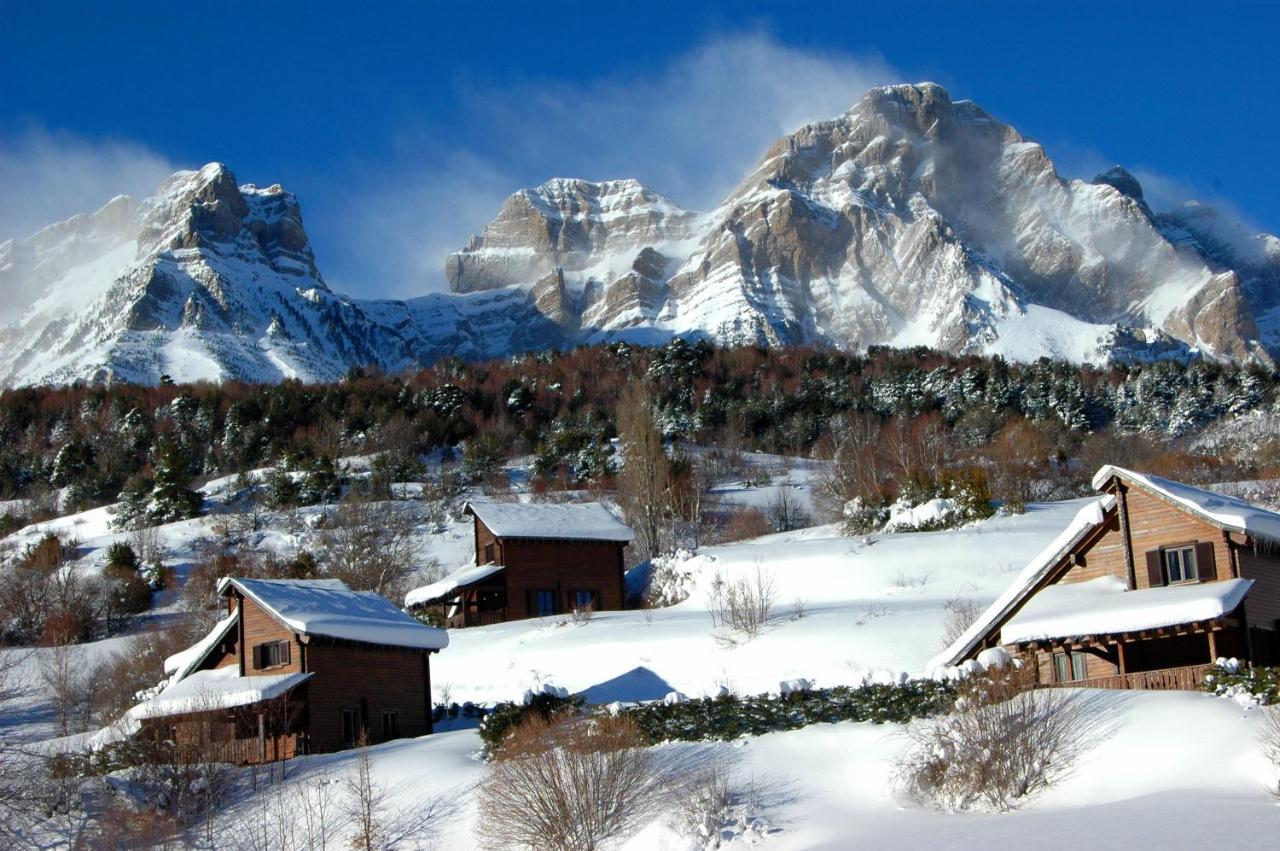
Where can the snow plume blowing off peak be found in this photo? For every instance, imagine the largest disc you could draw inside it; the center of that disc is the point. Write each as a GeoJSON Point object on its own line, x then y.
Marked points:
{"type": "Point", "coordinates": [910, 219]}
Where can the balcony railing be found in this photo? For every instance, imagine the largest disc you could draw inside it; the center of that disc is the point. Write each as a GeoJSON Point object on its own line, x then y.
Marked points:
{"type": "Point", "coordinates": [1187, 678]}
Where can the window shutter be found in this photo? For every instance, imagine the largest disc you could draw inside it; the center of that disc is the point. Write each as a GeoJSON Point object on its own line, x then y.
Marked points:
{"type": "Point", "coordinates": [1206, 567]}
{"type": "Point", "coordinates": [285, 658]}
{"type": "Point", "coordinates": [257, 657]}
{"type": "Point", "coordinates": [1155, 570]}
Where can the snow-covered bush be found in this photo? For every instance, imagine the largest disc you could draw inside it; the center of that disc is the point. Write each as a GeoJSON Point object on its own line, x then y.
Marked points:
{"type": "Point", "coordinates": [1258, 685]}
{"type": "Point", "coordinates": [1002, 742]}
{"type": "Point", "coordinates": [670, 581]}
{"type": "Point", "coordinates": [566, 783]}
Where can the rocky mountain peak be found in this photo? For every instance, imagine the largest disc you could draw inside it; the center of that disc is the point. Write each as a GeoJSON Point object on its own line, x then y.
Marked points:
{"type": "Point", "coordinates": [1120, 179]}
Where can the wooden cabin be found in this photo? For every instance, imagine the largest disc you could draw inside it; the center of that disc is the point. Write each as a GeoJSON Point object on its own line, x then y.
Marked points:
{"type": "Point", "coordinates": [296, 666]}
{"type": "Point", "coordinates": [533, 560]}
{"type": "Point", "coordinates": [1145, 589]}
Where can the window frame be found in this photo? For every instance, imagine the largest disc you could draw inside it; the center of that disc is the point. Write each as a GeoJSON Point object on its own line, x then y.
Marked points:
{"type": "Point", "coordinates": [536, 594]}
{"type": "Point", "coordinates": [1186, 555]}
{"type": "Point", "coordinates": [392, 730]}
{"type": "Point", "coordinates": [594, 601]}
{"type": "Point", "coordinates": [344, 713]}
{"type": "Point", "coordinates": [1075, 663]}
{"type": "Point", "coordinates": [280, 649]}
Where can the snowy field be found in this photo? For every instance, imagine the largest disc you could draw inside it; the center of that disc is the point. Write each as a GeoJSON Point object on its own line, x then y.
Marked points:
{"type": "Point", "coordinates": [1176, 770]}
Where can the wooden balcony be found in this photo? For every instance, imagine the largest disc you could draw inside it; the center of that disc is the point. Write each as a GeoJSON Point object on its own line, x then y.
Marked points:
{"type": "Point", "coordinates": [1187, 678]}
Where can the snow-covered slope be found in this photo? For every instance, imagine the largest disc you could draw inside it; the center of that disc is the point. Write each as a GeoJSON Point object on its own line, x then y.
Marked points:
{"type": "Point", "coordinates": [910, 220]}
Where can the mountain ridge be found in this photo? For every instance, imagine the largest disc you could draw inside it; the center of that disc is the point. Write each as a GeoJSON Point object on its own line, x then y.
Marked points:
{"type": "Point", "coordinates": [911, 219]}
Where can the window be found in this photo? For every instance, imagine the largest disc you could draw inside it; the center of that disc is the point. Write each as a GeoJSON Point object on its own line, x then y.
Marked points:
{"type": "Point", "coordinates": [584, 599]}
{"type": "Point", "coordinates": [1069, 667]}
{"type": "Point", "coordinates": [543, 602]}
{"type": "Point", "coordinates": [390, 725]}
{"type": "Point", "coordinates": [488, 553]}
{"type": "Point", "coordinates": [1180, 564]}
{"type": "Point", "coordinates": [350, 727]}
{"type": "Point", "coordinates": [273, 654]}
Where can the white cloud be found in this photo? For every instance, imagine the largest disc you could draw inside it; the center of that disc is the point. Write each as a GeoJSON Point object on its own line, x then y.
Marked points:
{"type": "Point", "coordinates": [691, 130]}
{"type": "Point", "coordinates": [47, 176]}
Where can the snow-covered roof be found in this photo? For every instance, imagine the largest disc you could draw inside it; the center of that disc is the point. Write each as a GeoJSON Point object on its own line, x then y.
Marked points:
{"type": "Point", "coordinates": [185, 661]}
{"type": "Point", "coordinates": [1104, 606]}
{"type": "Point", "coordinates": [1226, 512]}
{"type": "Point", "coordinates": [1088, 518]}
{"type": "Point", "coordinates": [586, 521]}
{"type": "Point", "coordinates": [219, 688]}
{"type": "Point", "coordinates": [443, 588]}
{"type": "Point", "coordinates": [327, 607]}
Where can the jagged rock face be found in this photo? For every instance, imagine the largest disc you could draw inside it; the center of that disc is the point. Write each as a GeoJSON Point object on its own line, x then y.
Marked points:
{"type": "Point", "coordinates": [568, 224]}
{"type": "Point", "coordinates": [910, 220]}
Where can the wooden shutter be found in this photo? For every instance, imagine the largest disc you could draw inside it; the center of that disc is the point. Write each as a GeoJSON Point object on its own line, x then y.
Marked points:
{"type": "Point", "coordinates": [1206, 566]}
{"type": "Point", "coordinates": [257, 657]}
{"type": "Point", "coordinates": [1155, 569]}
{"type": "Point", "coordinates": [286, 647]}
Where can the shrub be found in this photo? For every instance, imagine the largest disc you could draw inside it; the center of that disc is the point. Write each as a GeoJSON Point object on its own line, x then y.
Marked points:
{"type": "Point", "coordinates": [1269, 738]}
{"type": "Point", "coordinates": [742, 523]}
{"type": "Point", "coordinates": [505, 717]}
{"type": "Point", "coordinates": [745, 604]}
{"type": "Point", "coordinates": [960, 614]}
{"type": "Point", "coordinates": [1228, 678]}
{"type": "Point", "coordinates": [121, 556]}
{"type": "Point", "coordinates": [1002, 742]}
{"type": "Point", "coordinates": [570, 783]}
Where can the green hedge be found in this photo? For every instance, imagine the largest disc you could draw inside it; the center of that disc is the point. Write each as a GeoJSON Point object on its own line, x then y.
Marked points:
{"type": "Point", "coordinates": [729, 717]}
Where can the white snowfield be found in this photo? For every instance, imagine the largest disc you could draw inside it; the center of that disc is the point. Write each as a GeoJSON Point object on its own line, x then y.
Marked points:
{"type": "Point", "coordinates": [1104, 605]}
{"type": "Point", "coordinates": [589, 521]}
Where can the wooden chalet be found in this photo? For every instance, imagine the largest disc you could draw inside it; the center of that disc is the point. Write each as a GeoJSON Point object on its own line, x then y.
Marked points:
{"type": "Point", "coordinates": [296, 666]}
{"type": "Point", "coordinates": [533, 560]}
{"type": "Point", "coordinates": [1145, 589]}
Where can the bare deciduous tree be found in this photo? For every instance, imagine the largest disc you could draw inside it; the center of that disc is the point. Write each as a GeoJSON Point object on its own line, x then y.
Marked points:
{"type": "Point", "coordinates": [373, 546]}
{"type": "Point", "coordinates": [644, 483]}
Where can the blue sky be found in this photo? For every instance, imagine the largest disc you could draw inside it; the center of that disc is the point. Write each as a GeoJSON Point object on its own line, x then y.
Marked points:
{"type": "Point", "coordinates": [403, 126]}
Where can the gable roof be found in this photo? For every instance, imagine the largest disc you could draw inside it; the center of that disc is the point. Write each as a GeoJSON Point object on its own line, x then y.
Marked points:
{"type": "Point", "coordinates": [1225, 512]}
{"type": "Point", "coordinates": [185, 661]}
{"type": "Point", "coordinates": [580, 521]}
{"type": "Point", "coordinates": [328, 608]}
{"type": "Point", "coordinates": [1087, 519]}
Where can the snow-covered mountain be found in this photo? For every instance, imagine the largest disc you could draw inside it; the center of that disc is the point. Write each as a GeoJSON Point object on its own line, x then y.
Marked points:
{"type": "Point", "coordinates": [912, 219]}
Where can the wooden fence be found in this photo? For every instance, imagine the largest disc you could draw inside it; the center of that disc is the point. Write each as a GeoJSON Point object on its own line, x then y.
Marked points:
{"type": "Point", "coordinates": [1188, 678]}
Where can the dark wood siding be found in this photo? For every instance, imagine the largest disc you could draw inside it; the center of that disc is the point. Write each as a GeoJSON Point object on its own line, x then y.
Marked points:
{"type": "Point", "coordinates": [349, 676]}
{"type": "Point", "coordinates": [260, 628]}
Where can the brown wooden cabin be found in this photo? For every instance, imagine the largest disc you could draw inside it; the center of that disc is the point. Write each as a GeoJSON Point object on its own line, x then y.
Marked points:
{"type": "Point", "coordinates": [533, 560]}
{"type": "Point", "coordinates": [1146, 589]}
{"type": "Point", "coordinates": [296, 667]}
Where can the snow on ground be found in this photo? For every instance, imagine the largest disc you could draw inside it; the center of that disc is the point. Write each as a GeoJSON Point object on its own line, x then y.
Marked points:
{"type": "Point", "coordinates": [831, 786]}
{"type": "Point", "coordinates": [871, 606]}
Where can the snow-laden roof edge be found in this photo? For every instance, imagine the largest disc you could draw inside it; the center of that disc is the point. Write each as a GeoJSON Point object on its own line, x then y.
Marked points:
{"type": "Point", "coordinates": [182, 663]}
{"type": "Point", "coordinates": [1087, 519]}
{"type": "Point", "coordinates": [1105, 606]}
{"type": "Point", "coordinates": [581, 521]}
{"type": "Point", "coordinates": [459, 578]}
{"type": "Point", "coordinates": [1225, 512]}
{"type": "Point", "coordinates": [221, 688]}
{"type": "Point", "coordinates": [328, 608]}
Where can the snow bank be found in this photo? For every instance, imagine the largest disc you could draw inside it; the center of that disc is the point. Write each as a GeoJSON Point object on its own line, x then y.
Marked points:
{"type": "Point", "coordinates": [1219, 509]}
{"type": "Point", "coordinates": [589, 521]}
{"type": "Point", "coordinates": [327, 607]}
{"type": "Point", "coordinates": [445, 588]}
{"type": "Point", "coordinates": [1104, 606]}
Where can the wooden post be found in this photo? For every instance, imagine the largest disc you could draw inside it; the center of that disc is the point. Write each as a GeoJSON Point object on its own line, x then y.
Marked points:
{"type": "Point", "coordinates": [1123, 508]}
{"type": "Point", "coordinates": [1120, 658]}
{"type": "Point", "coordinates": [262, 737]}
{"type": "Point", "coordinates": [1213, 647]}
